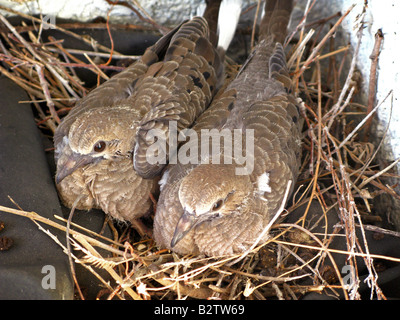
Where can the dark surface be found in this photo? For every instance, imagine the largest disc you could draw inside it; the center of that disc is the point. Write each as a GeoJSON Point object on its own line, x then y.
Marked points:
{"type": "Point", "coordinates": [25, 177]}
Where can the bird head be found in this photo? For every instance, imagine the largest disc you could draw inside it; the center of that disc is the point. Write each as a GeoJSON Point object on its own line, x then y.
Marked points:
{"type": "Point", "coordinates": [210, 191]}
{"type": "Point", "coordinates": [95, 135]}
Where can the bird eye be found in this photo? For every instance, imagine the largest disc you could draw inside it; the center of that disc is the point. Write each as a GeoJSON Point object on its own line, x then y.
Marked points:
{"type": "Point", "coordinates": [99, 146]}
{"type": "Point", "coordinates": [218, 205]}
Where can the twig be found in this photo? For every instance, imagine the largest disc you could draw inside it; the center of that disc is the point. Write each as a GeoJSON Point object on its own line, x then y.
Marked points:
{"type": "Point", "coordinates": [109, 269]}
{"type": "Point", "coordinates": [103, 75]}
{"type": "Point", "coordinates": [337, 106]}
{"type": "Point", "coordinates": [88, 40]}
{"type": "Point", "coordinates": [48, 120]}
{"type": "Point", "coordinates": [34, 216]}
{"type": "Point", "coordinates": [280, 278]}
{"type": "Point", "coordinates": [363, 121]}
{"type": "Point", "coordinates": [88, 66]}
{"type": "Point", "coordinates": [298, 53]}
{"type": "Point", "coordinates": [330, 54]}
{"type": "Point", "coordinates": [253, 31]}
{"type": "Point", "coordinates": [147, 19]}
{"type": "Point", "coordinates": [343, 252]}
{"type": "Point", "coordinates": [374, 229]}
{"type": "Point", "coordinates": [323, 20]}
{"type": "Point", "coordinates": [377, 175]}
{"type": "Point", "coordinates": [71, 263]}
{"type": "Point", "coordinates": [45, 86]}
{"type": "Point", "coordinates": [93, 233]}
{"type": "Point", "coordinates": [316, 50]}
{"type": "Point", "coordinates": [372, 80]}
{"type": "Point", "coordinates": [380, 142]}
{"type": "Point", "coordinates": [88, 25]}
{"type": "Point", "coordinates": [96, 54]}
{"type": "Point", "coordinates": [21, 83]}
{"type": "Point", "coordinates": [38, 57]}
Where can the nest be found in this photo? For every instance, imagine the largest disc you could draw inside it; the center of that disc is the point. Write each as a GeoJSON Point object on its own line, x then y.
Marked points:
{"type": "Point", "coordinates": [332, 203]}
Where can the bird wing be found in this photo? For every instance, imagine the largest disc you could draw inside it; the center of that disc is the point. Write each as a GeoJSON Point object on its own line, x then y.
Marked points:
{"type": "Point", "coordinates": [194, 69]}
{"type": "Point", "coordinates": [118, 88]}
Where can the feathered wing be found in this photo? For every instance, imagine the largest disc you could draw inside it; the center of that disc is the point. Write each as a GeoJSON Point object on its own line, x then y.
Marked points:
{"type": "Point", "coordinates": [197, 77]}
{"type": "Point", "coordinates": [117, 89]}
{"type": "Point", "coordinates": [192, 66]}
{"type": "Point", "coordinates": [258, 99]}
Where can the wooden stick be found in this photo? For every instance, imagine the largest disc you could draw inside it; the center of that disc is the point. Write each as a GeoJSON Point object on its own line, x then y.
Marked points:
{"type": "Point", "coordinates": [372, 81]}
{"type": "Point", "coordinates": [316, 50]}
{"type": "Point", "coordinates": [37, 56]}
{"type": "Point", "coordinates": [45, 86]}
{"type": "Point", "coordinates": [87, 40]}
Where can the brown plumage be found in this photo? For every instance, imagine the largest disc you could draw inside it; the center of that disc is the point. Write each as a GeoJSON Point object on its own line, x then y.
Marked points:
{"type": "Point", "coordinates": [94, 145]}
{"type": "Point", "coordinates": [209, 208]}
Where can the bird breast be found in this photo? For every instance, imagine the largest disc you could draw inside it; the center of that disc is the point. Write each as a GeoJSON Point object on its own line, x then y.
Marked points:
{"type": "Point", "coordinates": [111, 185]}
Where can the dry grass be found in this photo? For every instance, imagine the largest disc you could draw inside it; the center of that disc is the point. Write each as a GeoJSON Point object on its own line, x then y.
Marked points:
{"type": "Point", "coordinates": [338, 178]}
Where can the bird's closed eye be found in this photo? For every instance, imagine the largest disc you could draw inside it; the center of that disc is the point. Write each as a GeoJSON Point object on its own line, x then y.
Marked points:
{"type": "Point", "coordinates": [99, 146]}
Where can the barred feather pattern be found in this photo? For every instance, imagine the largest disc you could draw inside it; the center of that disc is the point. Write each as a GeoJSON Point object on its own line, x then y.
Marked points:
{"type": "Point", "coordinates": [236, 208]}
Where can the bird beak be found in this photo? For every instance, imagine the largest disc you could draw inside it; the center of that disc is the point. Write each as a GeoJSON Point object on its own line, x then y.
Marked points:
{"type": "Point", "coordinates": [185, 224]}
{"type": "Point", "coordinates": [74, 161]}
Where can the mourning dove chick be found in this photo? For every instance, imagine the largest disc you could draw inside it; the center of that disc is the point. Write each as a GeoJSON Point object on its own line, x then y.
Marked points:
{"type": "Point", "coordinates": [95, 143]}
{"type": "Point", "coordinates": [219, 203]}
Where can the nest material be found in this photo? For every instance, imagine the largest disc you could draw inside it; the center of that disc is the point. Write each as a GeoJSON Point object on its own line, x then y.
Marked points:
{"type": "Point", "coordinates": [332, 201]}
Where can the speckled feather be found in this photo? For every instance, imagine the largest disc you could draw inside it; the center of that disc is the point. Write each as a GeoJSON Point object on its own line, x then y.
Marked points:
{"type": "Point", "coordinates": [196, 68]}
{"type": "Point", "coordinates": [258, 98]}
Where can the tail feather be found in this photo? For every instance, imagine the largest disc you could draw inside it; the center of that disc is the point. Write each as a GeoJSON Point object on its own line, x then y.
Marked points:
{"type": "Point", "coordinates": [211, 15]}
{"type": "Point", "coordinates": [275, 20]}
{"type": "Point", "coordinates": [228, 19]}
